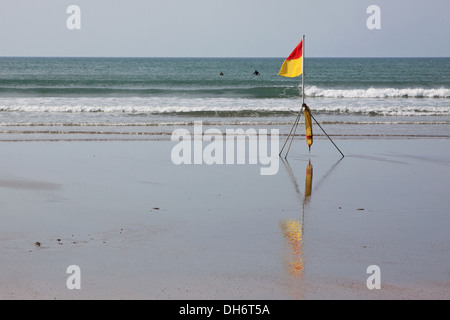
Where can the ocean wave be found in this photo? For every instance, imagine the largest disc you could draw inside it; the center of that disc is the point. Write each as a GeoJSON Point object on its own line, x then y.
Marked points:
{"type": "Point", "coordinates": [222, 109]}
{"type": "Point", "coordinates": [314, 91]}
{"type": "Point", "coordinates": [206, 123]}
{"type": "Point", "coordinates": [190, 90]}
{"type": "Point", "coordinates": [241, 91]}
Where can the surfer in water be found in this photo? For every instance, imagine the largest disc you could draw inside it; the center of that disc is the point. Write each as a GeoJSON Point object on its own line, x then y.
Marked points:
{"type": "Point", "coordinates": [256, 73]}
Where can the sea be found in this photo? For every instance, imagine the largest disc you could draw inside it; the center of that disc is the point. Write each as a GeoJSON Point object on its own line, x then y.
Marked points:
{"type": "Point", "coordinates": [143, 98]}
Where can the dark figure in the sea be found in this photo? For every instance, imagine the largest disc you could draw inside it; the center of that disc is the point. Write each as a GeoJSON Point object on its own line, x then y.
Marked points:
{"type": "Point", "coordinates": [221, 73]}
{"type": "Point", "coordinates": [256, 73]}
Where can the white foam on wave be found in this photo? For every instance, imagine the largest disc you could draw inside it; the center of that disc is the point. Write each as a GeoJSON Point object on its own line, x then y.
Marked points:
{"type": "Point", "coordinates": [387, 110]}
{"type": "Point", "coordinates": [314, 91]}
{"type": "Point", "coordinates": [141, 109]}
{"type": "Point", "coordinates": [369, 110]}
{"type": "Point", "coordinates": [137, 106]}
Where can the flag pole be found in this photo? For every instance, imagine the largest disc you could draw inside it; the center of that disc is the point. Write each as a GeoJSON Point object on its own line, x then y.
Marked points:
{"type": "Point", "coordinates": [294, 127]}
{"type": "Point", "coordinates": [303, 71]}
{"type": "Point", "coordinates": [291, 134]}
{"type": "Point", "coordinates": [303, 99]}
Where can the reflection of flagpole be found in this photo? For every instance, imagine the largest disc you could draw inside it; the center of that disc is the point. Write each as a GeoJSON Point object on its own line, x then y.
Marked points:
{"type": "Point", "coordinates": [291, 175]}
{"type": "Point", "coordinates": [327, 174]}
{"type": "Point", "coordinates": [308, 185]}
{"type": "Point", "coordinates": [308, 181]}
{"type": "Point", "coordinates": [293, 229]}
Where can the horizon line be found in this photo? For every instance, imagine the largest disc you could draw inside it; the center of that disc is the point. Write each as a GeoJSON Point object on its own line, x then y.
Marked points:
{"type": "Point", "coordinates": [219, 57]}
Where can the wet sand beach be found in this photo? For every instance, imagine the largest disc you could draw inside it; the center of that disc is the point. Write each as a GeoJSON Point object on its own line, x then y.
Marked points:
{"type": "Point", "coordinates": [140, 227]}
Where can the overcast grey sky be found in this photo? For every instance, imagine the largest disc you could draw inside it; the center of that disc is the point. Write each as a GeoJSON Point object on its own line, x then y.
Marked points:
{"type": "Point", "coordinates": [224, 28]}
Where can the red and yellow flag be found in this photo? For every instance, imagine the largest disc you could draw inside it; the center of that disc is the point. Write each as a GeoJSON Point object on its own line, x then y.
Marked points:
{"type": "Point", "coordinates": [293, 65]}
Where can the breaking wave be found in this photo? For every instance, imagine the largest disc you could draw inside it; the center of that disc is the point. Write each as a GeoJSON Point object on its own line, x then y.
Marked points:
{"type": "Point", "coordinates": [228, 110]}
{"type": "Point", "coordinates": [377, 93]}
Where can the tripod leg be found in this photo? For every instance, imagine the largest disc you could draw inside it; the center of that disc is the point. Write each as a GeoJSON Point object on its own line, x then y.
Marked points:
{"type": "Point", "coordinates": [290, 132]}
{"type": "Point", "coordinates": [327, 135]}
{"type": "Point", "coordinates": [292, 139]}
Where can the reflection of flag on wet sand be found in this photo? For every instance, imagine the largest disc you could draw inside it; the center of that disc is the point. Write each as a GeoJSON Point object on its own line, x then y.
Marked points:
{"type": "Point", "coordinates": [292, 232]}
